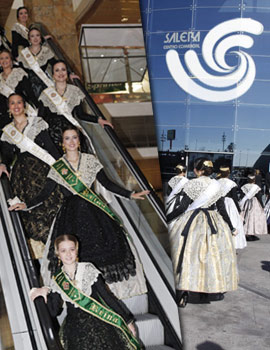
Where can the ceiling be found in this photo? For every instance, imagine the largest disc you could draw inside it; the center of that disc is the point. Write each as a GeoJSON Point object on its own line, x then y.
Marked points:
{"type": "Point", "coordinates": [5, 7]}
{"type": "Point", "coordinates": [112, 11]}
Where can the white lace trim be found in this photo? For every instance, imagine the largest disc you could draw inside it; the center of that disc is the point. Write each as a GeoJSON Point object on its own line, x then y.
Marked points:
{"type": "Point", "coordinates": [86, 275]}
{"type": "Point", "coordinates": [17, 27]}
{"type": "Point", "coordinates": [73, 97]}
{"type": "Point", "coordinates": [174, 181]}
{"type": "Point", "coordinates": [247, 187]}
{"type": "Point", "coordinates": [16, 75]}
{"type": "Point", "coordinates": [34, 127]}
{"type": "Point", "coordinates": [42, 57]}
{"type": "Point", "coordinates": [88, 169]}
{"type": "Point", "coordinates": [194, 188]}
{"type": "Point", "coordinates": [226, 185]}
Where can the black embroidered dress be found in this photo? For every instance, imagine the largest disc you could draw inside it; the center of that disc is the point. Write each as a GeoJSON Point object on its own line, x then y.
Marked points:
{"type": "Point", "coordinates": [102, 239]}
{"type": "Point", "coordinates": [73, 97]}
{"type": "Point", "coordinates": [81, 330]}
{"type": "Point", "coordinates": [28, 177]}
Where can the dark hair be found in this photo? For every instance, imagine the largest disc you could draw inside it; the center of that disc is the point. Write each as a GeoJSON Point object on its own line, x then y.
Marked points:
{"type": "Point", "coordinates": [19, 9]}
{"type": "Point", "coordinates": [180, 169]}
{"type": "Point", "coordinates": [251, 176]}
{"type": "Point", "coordinates": [59, 61]}
{"type": "Point", "coordinates": [37, 29]}
{"type": "Point", "coordinates": [64, 238]}
{"type": "Point", "coordinates": [224, 173]}
{"type": "Point", "coordinates": [205, 165]}
{"type": "Point", "coordinates": [7, 51]}
{"type": "Point", "coordinates": [71, 127]}
{"type": "Point", "coordinates": [15, 94]}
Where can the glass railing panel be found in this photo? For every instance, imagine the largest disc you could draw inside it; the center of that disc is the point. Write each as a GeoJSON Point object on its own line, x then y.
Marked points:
{"type": "Point", "coordinates": [6, 340]}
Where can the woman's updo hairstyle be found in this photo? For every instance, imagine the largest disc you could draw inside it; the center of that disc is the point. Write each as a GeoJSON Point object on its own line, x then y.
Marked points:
{"type": "Point", "coordinates": [19, 9]}
{"type": "Point", "coordinates": [63, 238]}
{"type": "Point", "coordinates": [15, 94]}
{"type": "Point", "coordinates": [180, 169]}
{"type": "Point", "coordinates": [59, 61]}
{"type": "Point", "coordinates": [205, 165]}
{"type": "Point", "coordinates": [251, 177]}
{"type": "Point", "coordinates": [224, 171]}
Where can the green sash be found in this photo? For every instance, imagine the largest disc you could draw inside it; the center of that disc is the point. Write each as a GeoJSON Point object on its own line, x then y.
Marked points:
{"type": "Point", "coordinates": [81, 189]}
{"type": "Point", "coordinates": [92, 306]}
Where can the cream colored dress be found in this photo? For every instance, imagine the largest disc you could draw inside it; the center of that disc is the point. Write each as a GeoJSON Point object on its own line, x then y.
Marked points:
{"type": "Point", "coordinates": [203, 254]}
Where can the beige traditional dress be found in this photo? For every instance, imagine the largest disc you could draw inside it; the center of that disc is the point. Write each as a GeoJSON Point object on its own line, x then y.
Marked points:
{"type": "Point", "coordinates": [203, 252]}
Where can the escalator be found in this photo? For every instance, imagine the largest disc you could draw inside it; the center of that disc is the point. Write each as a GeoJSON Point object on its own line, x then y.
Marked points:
{"type": "Point", "coordinates": [156, 313]}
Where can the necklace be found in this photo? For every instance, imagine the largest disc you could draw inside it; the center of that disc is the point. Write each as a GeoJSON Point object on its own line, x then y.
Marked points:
{"type": "Point", "coordinates": [62, 93]}
{"type": "Point", "coordinates": [68, 274]}
{"type": "Point", "coordinates": [76, 171]}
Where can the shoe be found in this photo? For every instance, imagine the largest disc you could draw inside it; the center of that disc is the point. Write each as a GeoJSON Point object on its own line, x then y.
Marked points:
{"type": "Point", "coordinates": [215, 296]}
{"type": "Point", "coordinates": [183, 300]}
{"type": "Point", "coordinates": [251, 238]}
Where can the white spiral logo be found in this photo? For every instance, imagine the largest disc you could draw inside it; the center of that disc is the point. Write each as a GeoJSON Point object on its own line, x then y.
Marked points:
{"type": "Point", "coordinates": [214, 48]}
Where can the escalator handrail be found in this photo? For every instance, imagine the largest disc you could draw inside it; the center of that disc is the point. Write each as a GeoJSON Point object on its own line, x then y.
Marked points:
{"type": "Point", "coordinates": [49, 333]}
{"type": "Point", "coordinates": [131, 164]}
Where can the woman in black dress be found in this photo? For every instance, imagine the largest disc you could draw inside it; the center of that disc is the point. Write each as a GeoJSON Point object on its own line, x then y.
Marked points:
{"type": "Point", "coordinates": [83, 328]}
{"type": "Point", "coordinates": [62, 103]}
{"type": "Point", "coordinates": [19, 32]}
{"type": "Point", "coordinates": [13, 79]}
{"type": "Point", "coordinates": [30, 158]}
{"type": "Point", "coordinates": [99, 231]}
{"type": "Point", "coordinates": [37, 55]}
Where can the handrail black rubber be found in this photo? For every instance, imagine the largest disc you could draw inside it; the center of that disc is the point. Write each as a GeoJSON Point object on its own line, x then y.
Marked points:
{"type": "Point", "coordinates": [137, 173]}
{"type": "Point", "coordinates": [48, 330]}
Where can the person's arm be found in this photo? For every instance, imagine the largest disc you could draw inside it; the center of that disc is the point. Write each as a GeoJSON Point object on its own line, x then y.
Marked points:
{"type": "Point", "coordinates": [223, 212]}
{"type": "Point", "coordinates": [44, 141]}
{"type": "Point", "coordinates": [101, 290]}
{"type": "Point", "coordinates": [80, 114]}
{"type": "Point", "coordinates": [111, 186]}
{"type": "Point", "coordinates": [234, 196]}
{"type": "Point", "coordinates": [185, 202]}
{"type": "Point", "coordinates": [15, 43]}
{"type": "Point", "coordinates": [8, 153]}
{"type": "Point", "coordinates": [25, 88]}
{"type": "Point", "coordinates": [38, 200]}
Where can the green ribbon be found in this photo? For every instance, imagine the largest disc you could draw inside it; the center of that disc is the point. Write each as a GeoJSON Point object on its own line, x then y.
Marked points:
{"type": "Point", "coordinates": [81, 189]}
{"type": "Point", "coordinates": [93, 307]}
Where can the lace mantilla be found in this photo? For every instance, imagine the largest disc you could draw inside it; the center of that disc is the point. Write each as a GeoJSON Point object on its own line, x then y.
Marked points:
{"type": "Point", "coordinates": [17, 27]}
{"type": "Point", "coordinates": [86, 275]}
{"type": "Point", "coordinates": [16, 75]}
{"type": "Point", "coordinates": [174, 181]}
{"type": "Point", "coordinates": [42, 57]}
{"type": "Point", "coordinates": [226, 185]}
{"type": "Point", "coordinates": [194, 188]}
{"type": "Point", "coordinates": [247, 187]}
{"type": "Point", "coordinates": [88, 169]}
{"type": "Point", "coordinates": [34, 127]}
{"type": "Point", "coordinates": [73, 97]}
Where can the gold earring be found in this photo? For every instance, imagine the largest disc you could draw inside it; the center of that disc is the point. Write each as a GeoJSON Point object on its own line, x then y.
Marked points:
{"type": "Point", "coordinates": [79, 147]}
{"type": "Point", "coordinates": [10, 115]}
{"type": "Point", "coordinates": [63, 148]}
{"type": "Point", "coordinates": [59, 262]}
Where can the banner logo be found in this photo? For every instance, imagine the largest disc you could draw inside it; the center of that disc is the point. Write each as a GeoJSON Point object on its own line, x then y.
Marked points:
{"type": "Point", "coordinates": [228, 82]}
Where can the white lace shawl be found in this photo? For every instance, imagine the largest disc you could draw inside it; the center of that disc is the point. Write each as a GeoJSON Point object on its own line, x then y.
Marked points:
{"type": "Point", "coordinates": [34, 126]}
{"type": "Point", "coordinates": [73, 97]}
{"type": "Point", "coordinates": [86, 275]}
{"type": "Point", "coordinates": [194, 188]}
{"type": "Point", "coordinates": [17, 27]}
{"type": "Point", "coordinates": [13, 79]}
{"type": "Point", "coordinates": [174, 180]}
{"type": "Point", "coordinates": [226, 185]}
{"type": "Point", "coordinates": [250, 188]}
{"type": "Point", "coordinates": [89, 167]}
{"type": "Point", "coordinates": [44, 55]}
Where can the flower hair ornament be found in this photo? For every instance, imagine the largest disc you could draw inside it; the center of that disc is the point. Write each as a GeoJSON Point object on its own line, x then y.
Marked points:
{"type": "Point", "coordinates": [180, 167]}
{"type": "Point", "coordinates": [208, 163]}
{"type": "Point", "coordinates": [224, 169]}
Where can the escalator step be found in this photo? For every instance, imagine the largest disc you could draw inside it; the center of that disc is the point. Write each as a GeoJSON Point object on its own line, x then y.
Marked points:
{"type": "Point", "coordinates": [137, 305]}
{"type": "Point", "coordinates": [150, 329]}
